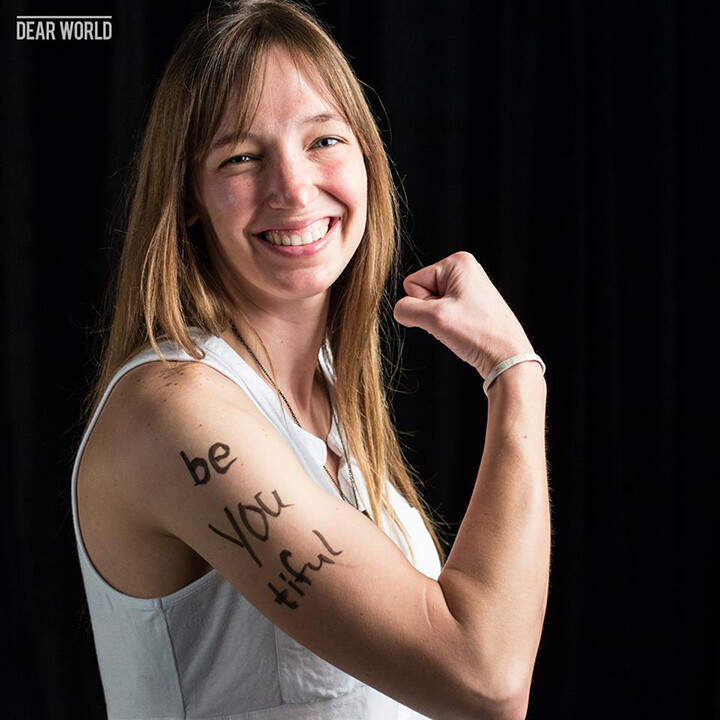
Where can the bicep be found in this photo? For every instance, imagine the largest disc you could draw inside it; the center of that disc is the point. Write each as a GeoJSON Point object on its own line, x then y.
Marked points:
{"type": "Point", "coordinates": [228, 484]}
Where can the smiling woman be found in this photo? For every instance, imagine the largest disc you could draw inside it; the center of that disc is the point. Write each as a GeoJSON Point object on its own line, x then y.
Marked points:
{"type": "Point", "coordinates": [251, 539]}
{"type": "Point", "coordinates": [264, 196]}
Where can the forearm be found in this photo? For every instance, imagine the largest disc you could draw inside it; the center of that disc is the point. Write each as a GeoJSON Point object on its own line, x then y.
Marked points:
{"type": "Point", "coordinates": [496, 577]}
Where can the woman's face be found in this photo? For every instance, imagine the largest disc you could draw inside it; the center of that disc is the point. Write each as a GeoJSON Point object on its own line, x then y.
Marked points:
{"type": "Point", "coordinates": [299, 172]}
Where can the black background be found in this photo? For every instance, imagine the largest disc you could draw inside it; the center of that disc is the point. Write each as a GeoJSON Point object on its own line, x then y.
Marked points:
{"type": "Point", "coordinates": [571, 146]}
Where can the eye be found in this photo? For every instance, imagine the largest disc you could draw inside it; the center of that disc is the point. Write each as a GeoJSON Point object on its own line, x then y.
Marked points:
{"type": "Point", "coordinates": [229, 161]}
{"type": "Point", "coordinates": [334, 139]}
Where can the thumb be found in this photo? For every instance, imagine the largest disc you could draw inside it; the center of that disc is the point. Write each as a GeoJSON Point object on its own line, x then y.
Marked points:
{"type": "Point", "coordinates": [413, 312]}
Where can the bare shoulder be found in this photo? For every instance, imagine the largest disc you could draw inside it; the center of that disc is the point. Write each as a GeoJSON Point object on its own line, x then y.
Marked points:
{"type": "Point", "coordinates": [156, 389]}
{"type": "Point", "coordinates": [120, 479]}
{"type": "Point", "coordinates": [155, 412]}
{"type": "Point", "coordinates": [152, 402]}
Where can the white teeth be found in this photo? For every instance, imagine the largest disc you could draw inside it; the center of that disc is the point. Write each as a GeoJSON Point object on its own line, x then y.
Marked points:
{"type": "Point", "coordinates": [310, 235]}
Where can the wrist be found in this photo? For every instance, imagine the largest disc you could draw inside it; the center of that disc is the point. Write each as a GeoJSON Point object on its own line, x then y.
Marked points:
{"type": "Point", "coordinates": [516, 403]}
{"type": "Point", "coordinates": [504, 366]}
{"type": "Point", "coordinates": [529, 372]}
{"type": "Point", "coordinates": [499, 355]}
{"type": "Point", "coordinates": [518, 386]}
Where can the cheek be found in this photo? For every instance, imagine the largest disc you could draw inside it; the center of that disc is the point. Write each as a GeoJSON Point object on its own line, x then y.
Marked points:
{"type": "Point", "coordinates": [361, 190]}
{"type": "Point", "coordinates": [229, 198]}
{"type": "Point", "coordinates": [350, 178]}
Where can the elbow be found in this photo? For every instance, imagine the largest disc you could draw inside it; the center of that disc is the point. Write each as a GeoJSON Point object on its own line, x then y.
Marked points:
{"type": "Point", "coordinates": [513, 705]}
{"type": "Point", "coordinates": [511, 709]}
{"type": "Point", "coordinates": [504, 702]}
{"type": "Point", "coordinates": [514, 709]}
{"type": "Point", "coordinates": [508, 702]}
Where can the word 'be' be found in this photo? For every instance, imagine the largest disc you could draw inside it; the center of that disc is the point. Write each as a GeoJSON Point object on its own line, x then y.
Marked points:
{"type": "Point", "coordinates": [217, 452]}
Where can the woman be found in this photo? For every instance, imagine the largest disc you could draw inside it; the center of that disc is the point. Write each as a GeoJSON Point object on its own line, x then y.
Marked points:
{"type": "Point", "coordinates": [251, 542]}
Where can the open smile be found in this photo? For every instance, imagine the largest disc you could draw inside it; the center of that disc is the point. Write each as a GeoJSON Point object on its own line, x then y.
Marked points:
{"type": "Point", "coordinates": [308, 241]}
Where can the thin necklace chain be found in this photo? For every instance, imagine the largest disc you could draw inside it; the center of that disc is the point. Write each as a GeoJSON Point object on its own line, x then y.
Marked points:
{"type": "Point", "coordinates": [297, 422]}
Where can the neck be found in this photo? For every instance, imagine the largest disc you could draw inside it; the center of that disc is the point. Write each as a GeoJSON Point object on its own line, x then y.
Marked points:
{"type": "Point", "coordinates": [293, 334]}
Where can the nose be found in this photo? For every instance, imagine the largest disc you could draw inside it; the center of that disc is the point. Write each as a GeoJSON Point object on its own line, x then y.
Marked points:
{"type": "Point", "coordinates": [291, 181]}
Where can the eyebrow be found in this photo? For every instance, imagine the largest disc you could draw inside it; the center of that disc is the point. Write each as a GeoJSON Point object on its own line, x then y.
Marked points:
{"type": "Point", "coordinates": [322, 117]}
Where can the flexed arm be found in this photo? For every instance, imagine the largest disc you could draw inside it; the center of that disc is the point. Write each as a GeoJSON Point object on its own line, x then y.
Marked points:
{"type": "Point", "coordinates": [495, 581]}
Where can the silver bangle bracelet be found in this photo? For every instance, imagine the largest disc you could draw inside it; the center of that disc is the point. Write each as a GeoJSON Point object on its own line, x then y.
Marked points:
{"type": "Point", "coordinates": [505, 364]}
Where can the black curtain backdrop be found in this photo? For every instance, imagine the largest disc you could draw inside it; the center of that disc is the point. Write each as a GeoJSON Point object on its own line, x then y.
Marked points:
{"type": "Point", "coordinates": [571, 147]}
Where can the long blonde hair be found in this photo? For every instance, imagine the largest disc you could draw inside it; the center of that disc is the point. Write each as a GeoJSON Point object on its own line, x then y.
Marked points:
{"type": "Point", "coordinates": [166, 283]}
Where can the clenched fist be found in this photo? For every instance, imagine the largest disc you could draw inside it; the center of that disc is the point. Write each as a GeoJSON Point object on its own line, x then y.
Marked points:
{"type": "Point", "coordinates": [454, 300]}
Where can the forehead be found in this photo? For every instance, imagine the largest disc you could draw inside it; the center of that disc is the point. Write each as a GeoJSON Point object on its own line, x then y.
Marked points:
{"type": "Point", "coordinates": [297, 77]}
{"type": "Point", "coordinates": [285, 91]}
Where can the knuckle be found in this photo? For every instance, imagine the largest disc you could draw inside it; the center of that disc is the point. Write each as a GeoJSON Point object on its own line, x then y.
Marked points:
{"type": "Point", "coordinates": [442, 313]}
{"type": "Point", "coordinates": [464, 256]}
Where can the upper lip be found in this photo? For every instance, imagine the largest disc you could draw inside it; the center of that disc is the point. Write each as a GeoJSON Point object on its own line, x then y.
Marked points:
{"type": "Point", "coordinates": [294, 224]}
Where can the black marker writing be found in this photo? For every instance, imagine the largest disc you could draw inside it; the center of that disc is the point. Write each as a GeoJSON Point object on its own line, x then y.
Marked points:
{"type": "Point", "coordinates": [261, 513]}
{"type": "Point", "coordinates": [282, 596]}
{"type": "Point", "coordinates": [327, 547]}
{"type": "Point", "coordinates": [216, 453]}
{"type": "Point", "coordinates": [292, 585]}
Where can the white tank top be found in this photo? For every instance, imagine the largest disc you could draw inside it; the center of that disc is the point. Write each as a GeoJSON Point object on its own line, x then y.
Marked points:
{"type": "Point", "coordinates": [204, 651]}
